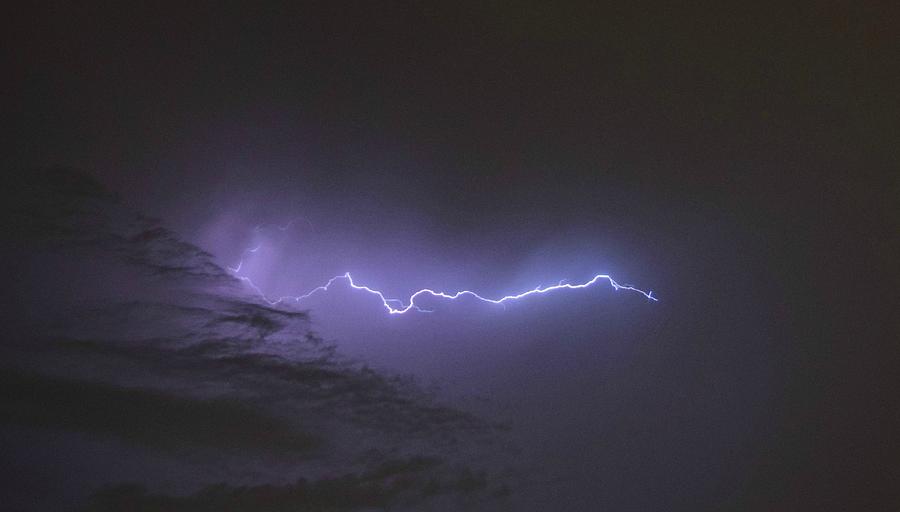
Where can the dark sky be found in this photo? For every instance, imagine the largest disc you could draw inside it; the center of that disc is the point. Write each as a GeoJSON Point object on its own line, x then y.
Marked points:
{"type": "Point", "coordinates": [739, 160]}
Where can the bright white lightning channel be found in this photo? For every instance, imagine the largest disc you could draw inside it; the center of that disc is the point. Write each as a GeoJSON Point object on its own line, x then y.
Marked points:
{"type": "Point", "coordinates": [399, 307]}
{"type": "Point", "coordinates": [410, 304]}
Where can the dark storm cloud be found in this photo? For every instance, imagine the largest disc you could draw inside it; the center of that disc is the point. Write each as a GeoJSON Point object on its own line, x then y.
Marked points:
{"type": "Point", "coordinates": [323, 384]}
{"type": "Point", "coordinates": [145, 417]}
{"type": "Point", "coordinates": [199, 332]}
{"type": "Point", "coordinates": [407, 481]}
{"type": "Point", "coordinates": [67, 208]}
{"type": "Point", "coordinates": [164, 350]}
{"type": "Point", "coordinates": [152, 246]}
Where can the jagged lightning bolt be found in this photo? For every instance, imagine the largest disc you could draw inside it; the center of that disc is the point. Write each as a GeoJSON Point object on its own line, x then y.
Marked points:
{"type": "Point", "coordinates": [399, 307]}
{"type": "Point", "coordinates": [284, 227]}
{"type": "Point", "coordinates": [258, 228]}
{"type": "Point", "coordinates": [240, 264]}
{"type": "Point", "coordinates": [410, 304]}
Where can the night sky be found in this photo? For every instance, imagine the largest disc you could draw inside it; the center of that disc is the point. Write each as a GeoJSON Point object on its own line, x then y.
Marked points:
{"type": "Point", "coordinates": [740, 161]}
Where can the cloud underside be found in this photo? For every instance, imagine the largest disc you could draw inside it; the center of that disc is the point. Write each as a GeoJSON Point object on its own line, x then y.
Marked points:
{"type": "Point", "coordinates": [399, 482]}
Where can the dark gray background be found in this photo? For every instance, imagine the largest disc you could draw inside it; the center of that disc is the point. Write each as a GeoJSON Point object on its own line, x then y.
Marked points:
{"type": "Point", "coordinates": [739, 160]}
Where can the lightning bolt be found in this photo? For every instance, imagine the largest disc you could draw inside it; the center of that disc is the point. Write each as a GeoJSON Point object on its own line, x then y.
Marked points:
{"type": "Point", "coordinates": [257, 229]}
{"type": "Point", "coordinates": [400, 307]}
{"type": "Point", "coordinates": [403, 307]}
{"type": "Point", "coordinates": [240, 264]}
{"type": "Point", "coordinates": [284, 227]}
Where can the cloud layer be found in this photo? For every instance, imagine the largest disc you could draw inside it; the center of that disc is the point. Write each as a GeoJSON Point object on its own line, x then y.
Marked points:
{"type": "Point", "coordinates": [141, 340]}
